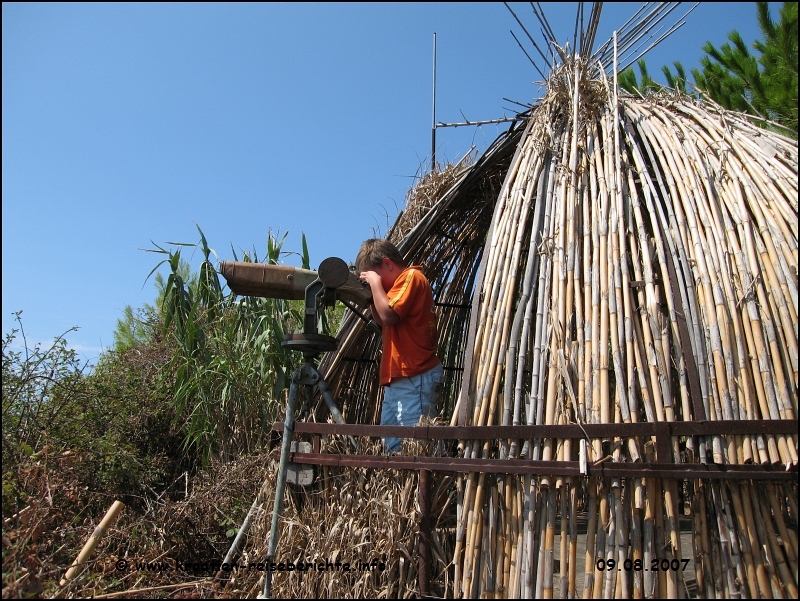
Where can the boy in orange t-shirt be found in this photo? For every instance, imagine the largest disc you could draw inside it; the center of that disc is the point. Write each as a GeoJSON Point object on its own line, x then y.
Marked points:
{"type": "Point", "coordinates": [410, 372]}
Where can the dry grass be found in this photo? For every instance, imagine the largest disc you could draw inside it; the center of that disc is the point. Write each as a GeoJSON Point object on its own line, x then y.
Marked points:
{"type": "Point", "coordinates": [349, 516]}
{"type": "Point", "coordinates": [353, 516]}
{"type": "Point", "coordinates": [428, 190]}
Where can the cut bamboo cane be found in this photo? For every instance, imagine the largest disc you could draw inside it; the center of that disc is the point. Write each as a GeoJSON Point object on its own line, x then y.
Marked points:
{"type": "Point", "coordinates": [744, 541]}
{"type": "Point", "coordinates": [573, 540]}
{"type": "Point", "coordinates": [650, 577]}
{"type": "Point", "coordinates": [86, 552]}
{"type": "Point", "coordinates": [563, 497]}
{"type": "Point", "coordinates": [600, 541]}
{"type": "Point", "coordinates": [549, 552]}
{"type": "Point", "coordinates": [541, 555]}
{"type": "Point", "coordinates": [787, 584]}
{"type": "Point", "coordinates": [610, 576]}
{"type": "Point", "coordinates": [704, 569]}
{"type": "Point", "coordinates": [789, 543]}
{"type": "Point", "coordinates": [591, 529]}
{"type": "Point", "coordinates": [772, 568]}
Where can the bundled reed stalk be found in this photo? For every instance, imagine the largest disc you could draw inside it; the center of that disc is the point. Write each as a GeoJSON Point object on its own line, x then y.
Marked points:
{"type": "Point", "coordinates": [618, 217]}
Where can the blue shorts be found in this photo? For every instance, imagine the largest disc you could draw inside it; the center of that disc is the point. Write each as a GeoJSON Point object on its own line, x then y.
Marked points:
{"type": "Point", "coordinates": [405, 400]}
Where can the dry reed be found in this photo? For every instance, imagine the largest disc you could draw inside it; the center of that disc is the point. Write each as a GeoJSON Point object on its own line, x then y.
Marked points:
{"type": "Point", "coordinates": [625, 215]}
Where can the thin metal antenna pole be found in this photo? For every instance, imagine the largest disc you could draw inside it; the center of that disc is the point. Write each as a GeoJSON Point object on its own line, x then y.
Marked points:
{"type": "Point", "coordinates": [575, 33]}
{"type": "Point", "coordinates": [433, 119]}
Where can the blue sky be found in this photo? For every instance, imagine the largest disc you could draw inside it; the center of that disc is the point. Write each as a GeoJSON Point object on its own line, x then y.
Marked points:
{"type": "Point", "coordinates": [126, 123]}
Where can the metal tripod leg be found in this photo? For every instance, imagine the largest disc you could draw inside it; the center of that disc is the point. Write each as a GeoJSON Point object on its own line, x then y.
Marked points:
{"type": "Point", "coordinates": [298, 377]}
{"type": "Point", "coordinates": [306, 375]}
{"type": "Point", "coordinates": [337, 415]}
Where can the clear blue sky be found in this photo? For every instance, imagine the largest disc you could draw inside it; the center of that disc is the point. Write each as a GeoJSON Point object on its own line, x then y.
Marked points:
{"type": "Point", "coordinates": [126, 123]}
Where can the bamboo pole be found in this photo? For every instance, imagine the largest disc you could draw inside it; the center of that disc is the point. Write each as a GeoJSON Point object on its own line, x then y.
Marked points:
{"type": "Point", "coordinates": [764, 544]}
{"type": "Point", "coordinates": [610, 576]}
{"type": "Point", "coordinates": [761, 571]}
{"type": "Point", "coordinates": [621, 553]}
{"type": "Point", "coordinates": [86, 552]}
{"type": "Point", "coordinates": [704, 569]}
{"type": "Point", "coordinates": [151, 589]}
{"type": "Point", "coordinates": [563, 552]}
{"type": "Point", "coordinates": [787, 580]}
{"type": "Point", "coordinates": [541, 556]}
{"type": "Point", "coordinates": [636, 536]}
{"type": "Point", "coordinates": [591, 533]}
{"type": "Point", "coordinates": [745, 541]}
{"type": "Point", "coordinates": [789, 543]}
{"type": "Point", "coordinates": [549, 536]}
{"type": "Point", "coordinates": [514, 553]}
{"type": "Point", "coordinates": [600, 541]}
{"type": "Point", "coordinates": [573, 539]}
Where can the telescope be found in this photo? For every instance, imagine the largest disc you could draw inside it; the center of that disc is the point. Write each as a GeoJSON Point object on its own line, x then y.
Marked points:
{"type": "Point", "coordinates": [290, 283]}
{"type": "Point", "coordinates": [319, 289]}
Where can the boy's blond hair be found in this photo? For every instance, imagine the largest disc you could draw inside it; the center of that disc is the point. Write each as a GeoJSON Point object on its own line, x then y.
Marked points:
{"type": "Point", "coordinates": [374, 251]}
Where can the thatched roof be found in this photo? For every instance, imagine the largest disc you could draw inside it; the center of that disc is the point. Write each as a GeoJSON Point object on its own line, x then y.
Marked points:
{"type": "Point", "coordinates": [641, 266]}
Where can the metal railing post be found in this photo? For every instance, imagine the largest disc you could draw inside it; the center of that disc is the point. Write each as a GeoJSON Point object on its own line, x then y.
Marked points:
{"type": "Point", "coordinates": [424, 533]}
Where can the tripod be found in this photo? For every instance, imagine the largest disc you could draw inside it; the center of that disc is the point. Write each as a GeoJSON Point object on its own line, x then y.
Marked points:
{"type": "Point", "coordinates": [319, 294]}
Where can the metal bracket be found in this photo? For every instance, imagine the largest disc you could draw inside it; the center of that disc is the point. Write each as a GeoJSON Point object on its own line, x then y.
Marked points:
{"type": "Point", "coordinates": [300, 474]}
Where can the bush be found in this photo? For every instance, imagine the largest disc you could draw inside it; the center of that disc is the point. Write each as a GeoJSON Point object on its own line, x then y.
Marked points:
{"type": "Point", "coordinates": [118, 421]}
{"type": "Point", "coordinates": [75, 441]}
{"type": "Point", "coordinates": [231, 373]}
{"type": "Point", "coordinates": [40, 385]}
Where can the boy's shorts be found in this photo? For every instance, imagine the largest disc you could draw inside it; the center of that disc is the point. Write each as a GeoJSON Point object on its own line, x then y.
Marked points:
{"type": "Point", "coordinates": [405, 400]}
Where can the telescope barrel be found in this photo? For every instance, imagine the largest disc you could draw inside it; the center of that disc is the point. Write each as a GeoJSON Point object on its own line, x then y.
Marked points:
{"type": "Point", "coordinates": [270, 281]}
{"type": "Point", "coordinates": [282, 281]}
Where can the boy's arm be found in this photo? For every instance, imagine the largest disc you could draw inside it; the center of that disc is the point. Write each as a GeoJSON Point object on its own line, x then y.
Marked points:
{"type": "Point", "coordinates": [375, 317]}
{"type": "Point", "coordinates": [381, 311]}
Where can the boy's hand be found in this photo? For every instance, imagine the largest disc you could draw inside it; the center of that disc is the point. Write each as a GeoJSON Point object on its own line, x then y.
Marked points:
{"type": "Point", "coordinates": [371, 278]}
{"type": "Point", "coordinates": [382, 313]}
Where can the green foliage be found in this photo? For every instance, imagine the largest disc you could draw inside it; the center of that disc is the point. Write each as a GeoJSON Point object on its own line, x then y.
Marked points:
{"type": "Point", "coordinates": [117, 420]}
{"type": "Point", "coordinates": [230, 370]}
{"type": "Point", "coordinates": [627, 80]}
{"type": "Point", "coordinates": [677, 81]}
{"type": "Point", "coordinates": [763, 84]}
{"type": "Point", "coordinates": [39, 385]}
{"type": "Point", "coordinates": [201, 375]}
{"type": "Point", "coordinates": [126, 424]}
{"type": "Point", "coordinates": [135, 327]}
{"type": "Point", "coordinates": [72, 443]}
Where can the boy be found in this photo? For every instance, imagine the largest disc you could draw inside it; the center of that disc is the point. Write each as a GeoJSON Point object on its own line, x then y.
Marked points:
{"type": "Point", "coordinates": [402, 303]}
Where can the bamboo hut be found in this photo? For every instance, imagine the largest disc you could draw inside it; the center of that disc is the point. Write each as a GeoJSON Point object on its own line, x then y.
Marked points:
{"type": "Point", "coordinates": [610, 260]}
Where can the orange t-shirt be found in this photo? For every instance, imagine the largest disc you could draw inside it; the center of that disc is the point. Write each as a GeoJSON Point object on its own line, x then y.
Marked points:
{"type": "Point", "coordinates": [409, 346]}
